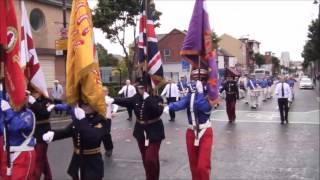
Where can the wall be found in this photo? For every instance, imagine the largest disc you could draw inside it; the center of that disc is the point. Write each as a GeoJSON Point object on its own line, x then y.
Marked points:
{"type": "Point", "coordinates": [235, 47]}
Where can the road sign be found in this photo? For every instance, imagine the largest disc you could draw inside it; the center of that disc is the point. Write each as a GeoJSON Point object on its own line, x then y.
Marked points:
{"type": "Point", "coordinates": [61, 44]}
{"type": "Point", "coordinates": [59, 52]}
{"type": "Point", "coordinates": [185, 66]}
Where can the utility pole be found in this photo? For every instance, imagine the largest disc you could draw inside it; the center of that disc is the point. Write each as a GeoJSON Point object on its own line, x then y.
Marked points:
{"type": "Point", "coordinates": [64, 10]}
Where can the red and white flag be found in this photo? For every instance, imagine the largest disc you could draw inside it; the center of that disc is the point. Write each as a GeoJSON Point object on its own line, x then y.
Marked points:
{"type": "Point", "coordinates": [29, 58]}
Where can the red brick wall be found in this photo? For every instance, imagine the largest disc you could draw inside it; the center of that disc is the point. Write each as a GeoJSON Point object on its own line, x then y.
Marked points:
{"type": "Point", "coordinates": [172, 41]}
{"type": "Point", "coordinates": [268, 58]}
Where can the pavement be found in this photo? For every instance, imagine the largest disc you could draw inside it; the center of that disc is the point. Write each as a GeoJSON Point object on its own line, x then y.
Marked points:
{"type": "Point", "coordinates": [255, 147]}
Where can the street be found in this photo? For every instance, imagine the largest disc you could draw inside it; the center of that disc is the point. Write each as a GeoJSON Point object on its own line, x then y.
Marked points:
{"type": "Point", "coordinates": [257, 146]}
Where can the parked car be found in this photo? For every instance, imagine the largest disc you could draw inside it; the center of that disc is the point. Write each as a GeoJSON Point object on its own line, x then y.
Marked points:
{"type": "Point", "coordinates": [306, 83]}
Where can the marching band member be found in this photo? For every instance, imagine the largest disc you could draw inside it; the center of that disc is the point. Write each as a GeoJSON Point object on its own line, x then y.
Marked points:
{"type": "Point", "coordinates": [199, 137]}
{"type": "Point", "coordinates": [19, 135]}
{"type": "Point", "coordinates": [111, 110]}
{"type": "Point", "coordinates": [232, 94]}
{"type": "Point", "coordinates": [183, 86]}
{"type": "Point", "coordinates": [39, 106]}
{"type": "Point", "coordinates": [87, 130]}
{"type": "Point", "coordinates": [148, 130]}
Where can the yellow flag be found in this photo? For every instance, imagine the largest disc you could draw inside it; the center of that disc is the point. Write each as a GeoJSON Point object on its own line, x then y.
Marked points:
{"type": "Point", "coordinates": [83, 74]}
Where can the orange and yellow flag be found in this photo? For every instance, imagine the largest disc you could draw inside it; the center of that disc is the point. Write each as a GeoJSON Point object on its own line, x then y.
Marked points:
{"type": "Point", "coordinates": [83, 74]}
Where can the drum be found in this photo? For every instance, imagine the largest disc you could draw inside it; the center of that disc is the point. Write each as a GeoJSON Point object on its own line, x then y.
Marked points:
{"type": "Point", "coordinates": [255, 93]}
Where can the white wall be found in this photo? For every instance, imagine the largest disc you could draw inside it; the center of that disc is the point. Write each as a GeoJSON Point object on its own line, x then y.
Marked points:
{"type": "Point", "coordinates": [176, 70]}
{"type": "Point", "coordinates": [220, 62]}
{"type": "Point", "coordinates": [232, 61]}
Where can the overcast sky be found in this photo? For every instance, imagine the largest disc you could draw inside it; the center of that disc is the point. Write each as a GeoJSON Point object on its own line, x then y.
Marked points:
{"type": "Point", "coordinates": [279, 25]}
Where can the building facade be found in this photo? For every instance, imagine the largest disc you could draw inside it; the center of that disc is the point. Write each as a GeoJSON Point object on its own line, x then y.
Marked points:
{"type": "Point", "coordinates": [169, 45]}
{"type": "Point", "coordinates": [46, 20]}
{"type": "Point", "coordinates": [285, 59]}
{"type": "Point", "coordinates": [252, 47]}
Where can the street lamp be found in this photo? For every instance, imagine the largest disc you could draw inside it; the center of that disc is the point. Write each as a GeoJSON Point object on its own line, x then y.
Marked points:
{"type": "Point", "coordinates": [316, 2]}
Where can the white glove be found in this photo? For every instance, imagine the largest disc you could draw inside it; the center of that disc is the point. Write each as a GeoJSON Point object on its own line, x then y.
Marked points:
{"type": "Point", "coordinates": [79, 113]}
{"type": "Point", "coordinates": [5, 105]}
{"type": "Point", "coordinates": [166, 110]}
{"type": "Point", "coordinates": [199, 87]}
{"type": "Point", "coordinates": [111, 100]}
{"type": "Point", "coordinates": [48, 136]}
{"type": "Point", "coordinates": [31, 99]}
{"type": "Point", "coordinates": [50, 107]}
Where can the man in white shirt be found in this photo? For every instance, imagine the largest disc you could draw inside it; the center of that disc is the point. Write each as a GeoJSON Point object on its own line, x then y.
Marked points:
{"type": "Point", "coordinates": [283, 93]}
{"type": "Point", "coordinates": [128, 91]}
{"type": "Point", "coordinates": [57, 93]}
{"type": "Point", "coordinates": [111, 110]}
{"type": "Point", "coordinates": [171, 92]}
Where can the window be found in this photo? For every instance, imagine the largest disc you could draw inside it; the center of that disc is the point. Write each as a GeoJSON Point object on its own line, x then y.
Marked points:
{"type": "Point", "coordinates": [167, 52]}
{"type": "Point", "coordinates": [37, 19]}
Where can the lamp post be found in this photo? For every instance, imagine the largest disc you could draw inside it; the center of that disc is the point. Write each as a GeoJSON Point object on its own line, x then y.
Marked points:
{"type": "Point", "coordinates": [317, 64]}
{"type": "Point", "coordinates": [316, 2]}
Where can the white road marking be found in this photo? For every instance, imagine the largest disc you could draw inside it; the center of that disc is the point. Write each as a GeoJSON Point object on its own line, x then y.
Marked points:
{"type": "Point", "coordinates": [317, 110]}
{"type": "Point", "coordinates": [263, 121]}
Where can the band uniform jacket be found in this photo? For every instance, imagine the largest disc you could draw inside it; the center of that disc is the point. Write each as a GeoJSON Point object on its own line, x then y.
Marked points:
{"type": "Point", "coordinates": [148, 110]}
{"type": "Point", "coordinates": [92, 129]}
{"type": "Point", "coordinates": [39, 109]}
{"type": "Point", "coordinates": [232, 91]}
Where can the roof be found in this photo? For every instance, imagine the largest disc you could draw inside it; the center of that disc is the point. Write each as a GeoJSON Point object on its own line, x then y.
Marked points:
{"type": "Point", "coordinates": [162, 36]}
{"type": "Point", "coordinates": [223, 52]}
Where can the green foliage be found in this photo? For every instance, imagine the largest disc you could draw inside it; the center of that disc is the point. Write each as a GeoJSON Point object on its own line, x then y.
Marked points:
{"type": "Point", "coordinates": [105, 59]}
{"type": "Point", "coordinates": [259, 59]}
{"type": "Point", "coordinates": [215, 40]}
{"type": "Point", "coordinates": [276, 64]}
{"type": "Point", "coordinates": [124, 70]}
{"type": "Point", "coordinates": [311, 50]}
{"type": "Point", "coordinates": [114, 16]}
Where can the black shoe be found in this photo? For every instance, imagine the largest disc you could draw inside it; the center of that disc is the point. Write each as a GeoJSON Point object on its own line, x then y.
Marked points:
{"type": "Point", "coordinates": [108, 153]}
{"type": "Point", "coordinates": [129, 119]}
{"type": "Point", "coordinates": [172, 119]}
{"type": "Point", "coordinates": [282, 122]}
{"type": "Point", "coordinates": [287, 121]}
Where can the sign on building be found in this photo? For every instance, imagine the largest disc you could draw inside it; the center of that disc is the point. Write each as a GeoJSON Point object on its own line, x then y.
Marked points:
{"type": "Point", "coordinates": [185, 66]}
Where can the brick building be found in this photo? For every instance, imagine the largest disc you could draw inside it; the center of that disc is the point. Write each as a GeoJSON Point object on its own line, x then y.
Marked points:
{"type": "Point", "coordinates": [169, 46]}
{"type": "Point", "coordinates": [46, 17]}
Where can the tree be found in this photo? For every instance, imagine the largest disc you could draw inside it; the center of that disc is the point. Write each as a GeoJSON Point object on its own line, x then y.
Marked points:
{"type": "Point", "coordinates": [105, 59]}
{"type": "Point", "coordinates": [259, 59]}
{"type": "Point", "coordinates": [215, 40]}
{"type": "Point", "coordinates": [276, 65]}
{"type": "Point", "coordinates": [114, 17]}
{"type": "Point", "coordinates": [311, 50]}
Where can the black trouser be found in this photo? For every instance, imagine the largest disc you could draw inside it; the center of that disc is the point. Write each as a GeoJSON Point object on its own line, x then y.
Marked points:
{"type": "Point", "coordinates": [172, 113]}
{"type": "Point", "coordinates": [107, 139]}
{"type": "Point", "coordinates": [283, 108]}
{"type": "Point", "coordinates": [58, 101]}
{"type": "Point", "coordinates": [129, 109]}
